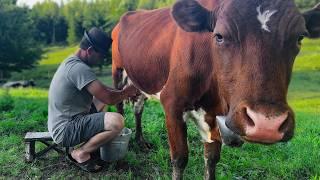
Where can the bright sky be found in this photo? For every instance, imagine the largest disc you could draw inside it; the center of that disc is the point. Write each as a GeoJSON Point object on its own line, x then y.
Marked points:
{"type": "Point", "coordinates": [30, 3]}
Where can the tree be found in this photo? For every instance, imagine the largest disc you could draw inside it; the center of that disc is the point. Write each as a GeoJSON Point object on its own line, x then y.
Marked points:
{"type": "Point", "coordinates": [164, 3]}
{"type": "Point", "coordinates": [94, 14]}
{"type": "Point", "coordinates": [74, 16]}
{"type": "Point", "coordinates": [51, 25]}
{"type": "Point", "coordinates": [18, 49]}
{"type": "Point", "coordinates": [146, 4]}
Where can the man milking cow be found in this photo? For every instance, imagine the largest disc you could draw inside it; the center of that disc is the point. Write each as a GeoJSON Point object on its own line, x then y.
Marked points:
{"type": "Point", "coordinates": [75, 98]}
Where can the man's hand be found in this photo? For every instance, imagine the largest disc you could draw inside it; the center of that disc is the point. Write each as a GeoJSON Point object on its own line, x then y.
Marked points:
{"type": "Point", "coordinates": [132, 91]}
{"type": "Point", "coordinates": [109, 95]}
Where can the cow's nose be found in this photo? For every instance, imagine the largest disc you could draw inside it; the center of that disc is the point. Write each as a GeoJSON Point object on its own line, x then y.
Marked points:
{"type": "Point", "coordinates": [264, 128]}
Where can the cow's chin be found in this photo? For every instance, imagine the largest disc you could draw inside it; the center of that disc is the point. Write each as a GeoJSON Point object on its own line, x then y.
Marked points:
{"type": "Point", "coordinates": [264, 142]}
{"type": "Point", "coordinates": [228, 137]}
{"type": "Point", "coordinates": [247, 139]}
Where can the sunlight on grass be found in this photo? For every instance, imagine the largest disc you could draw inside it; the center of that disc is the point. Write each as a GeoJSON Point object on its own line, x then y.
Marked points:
{"type": "Point", "coordinates": [311, 105]}
{"type": "Point", "coordinates": [55, 55]}
{"type": "Point", "coordinates": [26, 93]}
{"type": "Point", "coordinates": [308, 59]}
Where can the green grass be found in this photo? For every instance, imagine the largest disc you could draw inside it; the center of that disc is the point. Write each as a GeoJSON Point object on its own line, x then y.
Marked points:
{"type": "Point", "coordinates": [54, 55]}
{"type": "Point", "coordinates": [43, 73]}
{"type": "Point", "coordinates": [25, 110]}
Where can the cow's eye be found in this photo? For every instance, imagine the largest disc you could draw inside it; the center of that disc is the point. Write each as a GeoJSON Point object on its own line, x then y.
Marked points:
{"type": "Point", "coordinates": [219, 38]}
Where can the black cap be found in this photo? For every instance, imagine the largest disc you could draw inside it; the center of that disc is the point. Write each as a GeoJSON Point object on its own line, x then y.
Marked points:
{"type": "Point", "coordinates": [98, 39]}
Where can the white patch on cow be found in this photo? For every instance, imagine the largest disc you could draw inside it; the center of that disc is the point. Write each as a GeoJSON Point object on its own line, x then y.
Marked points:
{"type": "Point", "coordinates": [152, 96]}
{"type": "Point", "coordinates": [264, 18]}
{"type": "Point", "coordinates": [198, 118]}
{"type": "Point", "coordinates": [206, 166]}
{"type": "Point", "coordinates": [125, 79]}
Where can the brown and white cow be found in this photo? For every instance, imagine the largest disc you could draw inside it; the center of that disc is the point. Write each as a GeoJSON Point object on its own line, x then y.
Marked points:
{"type": "Point", "coordinates": [230, 58]}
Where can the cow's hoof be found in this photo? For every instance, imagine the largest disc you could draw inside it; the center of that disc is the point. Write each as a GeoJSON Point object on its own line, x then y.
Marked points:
{"type": "Point", "coordinates": [143, 144]}
{"type": "Point", "coordinates": [177, 174]}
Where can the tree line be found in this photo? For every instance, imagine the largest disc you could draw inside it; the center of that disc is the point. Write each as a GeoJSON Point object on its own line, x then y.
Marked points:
{"type": "Point", "coordinates": [24, 31]}
{"type": "Point", "coordinates": [66, 23]}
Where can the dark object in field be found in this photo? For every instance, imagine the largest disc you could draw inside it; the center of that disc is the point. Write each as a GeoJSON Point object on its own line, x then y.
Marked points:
{"type": "Point", "coordinates": [16, 84]}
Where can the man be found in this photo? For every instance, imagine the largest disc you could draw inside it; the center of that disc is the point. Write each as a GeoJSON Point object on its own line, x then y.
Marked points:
{"type": "Point", "coordinates": [73, 89]}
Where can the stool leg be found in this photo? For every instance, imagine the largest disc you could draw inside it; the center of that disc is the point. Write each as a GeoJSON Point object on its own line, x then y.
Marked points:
{"type": "Point", "coordinates": [30, 151]}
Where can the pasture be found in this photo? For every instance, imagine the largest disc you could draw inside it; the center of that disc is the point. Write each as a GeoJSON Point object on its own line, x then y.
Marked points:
{"type": "Point", "coordinates": [23, 110]}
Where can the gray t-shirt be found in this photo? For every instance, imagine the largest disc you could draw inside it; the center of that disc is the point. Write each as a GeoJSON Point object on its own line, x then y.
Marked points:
{"type": "Point", "coordinates": [67, 95]}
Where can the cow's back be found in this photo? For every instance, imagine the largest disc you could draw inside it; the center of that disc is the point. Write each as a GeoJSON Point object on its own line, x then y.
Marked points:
{"type": "Point", "coordinates": [144, 40]}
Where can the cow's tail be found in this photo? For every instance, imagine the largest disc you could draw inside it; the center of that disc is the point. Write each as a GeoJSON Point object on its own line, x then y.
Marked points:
{"type": "Point", "coordinates": [117, 66]}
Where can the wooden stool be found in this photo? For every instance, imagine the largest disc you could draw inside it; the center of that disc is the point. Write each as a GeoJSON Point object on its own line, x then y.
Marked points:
{"type": "Point", "coordinates": [44, 137]}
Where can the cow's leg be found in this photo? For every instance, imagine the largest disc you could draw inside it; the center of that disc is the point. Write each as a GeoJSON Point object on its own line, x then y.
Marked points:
{"type": "Point", "coordinates": [177, 133]}
{"type": "Point", "coordinates": [118, 83]}
{"type": "Point", "coordinates": [212, 150]}
{"type": "Point", "coordinates": [208, 130]}
{"type": "Point", "coordinates": [138, 110]}
{"type": "Point", "coordinates": [211, 158]}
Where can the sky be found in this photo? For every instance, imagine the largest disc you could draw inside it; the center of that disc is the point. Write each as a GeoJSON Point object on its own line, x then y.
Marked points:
{"type": "Point", "coordinates": [30, 3]}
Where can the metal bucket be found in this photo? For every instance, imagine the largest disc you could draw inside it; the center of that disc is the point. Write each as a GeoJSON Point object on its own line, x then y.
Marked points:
{"type": "Point", "coordinates": [117, 148]}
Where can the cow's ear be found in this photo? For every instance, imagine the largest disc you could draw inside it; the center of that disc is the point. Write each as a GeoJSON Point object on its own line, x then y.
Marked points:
{"type": "Point", "coordinates": [192, 17]}
{"type": "Point", "coordinates": [312, 19]}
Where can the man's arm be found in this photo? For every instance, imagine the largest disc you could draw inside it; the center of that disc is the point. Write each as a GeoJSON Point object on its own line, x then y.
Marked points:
{"type": "Point", "coordinates": [108, 95]}
{"type": "Point", "coordinates": [98, 104]}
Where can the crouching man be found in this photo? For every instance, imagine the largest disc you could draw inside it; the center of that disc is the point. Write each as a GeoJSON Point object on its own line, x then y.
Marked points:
{"type": "Point", "coordinates": [73, 91]}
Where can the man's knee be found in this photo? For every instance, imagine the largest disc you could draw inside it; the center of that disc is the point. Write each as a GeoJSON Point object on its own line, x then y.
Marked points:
{"type": "Point", "coordinates": [113, 121]}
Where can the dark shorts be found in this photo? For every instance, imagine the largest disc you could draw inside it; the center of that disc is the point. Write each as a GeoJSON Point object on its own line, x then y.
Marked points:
{"type": "Point", "coordinates": [82, 127]}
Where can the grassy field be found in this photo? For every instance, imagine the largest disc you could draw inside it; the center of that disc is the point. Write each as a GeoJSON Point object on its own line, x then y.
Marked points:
{"type": "Point", "coordinates": [23, 110]}
{"type": "Point", "coordinates": [43, 73]}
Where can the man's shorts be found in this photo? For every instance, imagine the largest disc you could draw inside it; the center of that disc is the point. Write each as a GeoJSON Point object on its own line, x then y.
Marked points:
{"type": "Point", "coordinates": [82, 127]}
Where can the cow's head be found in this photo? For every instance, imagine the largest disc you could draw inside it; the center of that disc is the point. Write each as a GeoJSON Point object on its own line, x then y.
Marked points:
{"type": "Point", "coordinates": [254, 44]}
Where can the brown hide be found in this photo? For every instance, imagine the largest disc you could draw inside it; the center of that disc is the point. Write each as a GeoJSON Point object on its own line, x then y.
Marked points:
{"type": "Point", "coordinates": [218, 56]}
{"type": "Point", "coordinates": [153, 59]}
{"type": "Point", "coordinates": [184, 56]}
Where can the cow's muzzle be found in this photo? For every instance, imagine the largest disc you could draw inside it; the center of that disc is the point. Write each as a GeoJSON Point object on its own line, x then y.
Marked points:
{"type": "Point", "coordinates": [263, 124]}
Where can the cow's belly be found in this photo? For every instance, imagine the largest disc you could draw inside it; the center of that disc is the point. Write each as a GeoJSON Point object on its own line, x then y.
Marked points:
{"type": "Point", "coordinates": [156, 93]}
{"type": "Point", "coordinates": [148, 74]}
{"type": "Point", "coordinates": [145, 45]}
